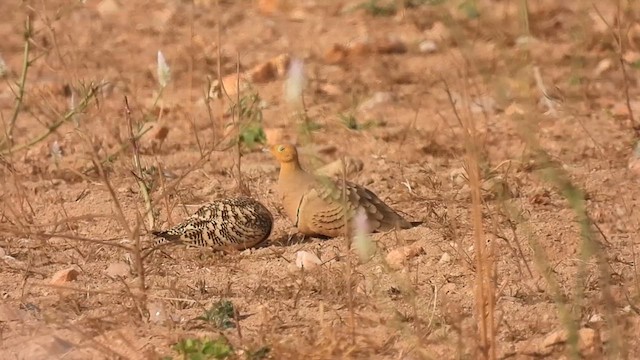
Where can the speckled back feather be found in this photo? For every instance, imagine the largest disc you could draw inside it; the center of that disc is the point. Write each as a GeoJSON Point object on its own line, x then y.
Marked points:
{"type": "Point", "coordinates": [237, 223]}
{"type": "Point", "coordinates": [331, 212]}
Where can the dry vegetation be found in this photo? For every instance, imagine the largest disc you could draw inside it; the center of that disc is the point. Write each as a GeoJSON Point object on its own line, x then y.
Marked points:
{"type": "Point", "coordinates": [508, 127]}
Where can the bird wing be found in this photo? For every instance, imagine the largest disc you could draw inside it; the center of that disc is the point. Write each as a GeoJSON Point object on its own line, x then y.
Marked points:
{"type": "Point", "coordinates": [331, 204]}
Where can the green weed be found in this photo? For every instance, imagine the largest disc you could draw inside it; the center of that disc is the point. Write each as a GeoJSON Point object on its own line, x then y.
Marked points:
{"type": "Point", "coordinates": [220, 315]}
{"type": "Point", "coordinates": [203, 349]}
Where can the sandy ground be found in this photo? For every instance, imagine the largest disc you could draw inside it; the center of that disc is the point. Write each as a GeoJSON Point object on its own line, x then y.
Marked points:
{"type": "Point", "coordinates": [380, 84]}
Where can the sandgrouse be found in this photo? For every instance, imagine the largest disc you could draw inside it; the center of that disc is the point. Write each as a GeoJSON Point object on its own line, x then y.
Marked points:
{"type": "Point", "coordinates": [317, 205]}
{"type": "Point", "coordinates": [234, 223]}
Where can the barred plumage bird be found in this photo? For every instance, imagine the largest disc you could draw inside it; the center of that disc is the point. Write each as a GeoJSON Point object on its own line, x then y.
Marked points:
{"type": "Point", "coordinates": [233, 223]}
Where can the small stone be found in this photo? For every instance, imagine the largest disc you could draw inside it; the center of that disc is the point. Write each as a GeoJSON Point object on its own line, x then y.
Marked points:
{"type": "Point", "coordinates": [64, 276]}
{"type": "Point", "coordinates": [458, 176]}
{"type": "Point", "coordinates": [268, 7]}
{"type": "Point", "coordinates": [331, 90]}
{"type": "Point", "coordinates": [262, 73]}
{"type": "Point", "coordinates": [634, 160]}
{"type": "Point", "coordinates": [298, 15]}
{"type": "Point", "coordinates": [630, 57]}
{"type": "Point", "coordinates": [397, 258]}
{"type": "Point", "coordinates": [108, 7]}
{"type": "Point", "coordinates": [391, 46]}
{"type": "Point", "coordinates": [603, 65]}
{"type": "Point", "coordinates": [336, 54]}
{"type": "Point", "coordinates": [376, 99]}
{"type": "Point", "coordinates": [514, 109]}
{"type": "Point", "coordinates": [125, 189]}
{"type": "Point", "coordinates": [445, 259]}
{"type": "Point", "coordinates": [157, 313]}
{"type": "Point", "coordinates": [307, 260]}
{"type": "Point", "coordinates": [281, 63]}
{"type": "Point", "coordinates": [595, 318]}
{"type": "Point", "coordinates": [525, 40]}
{"type": "Point", "coordinates": [589, 343]}
{"type": "Point", "coordinates": [620, 110]}
{"type": "Point", "coordinates": [116, 270]}
{"type": "Point", "coordinates": [427, 47]}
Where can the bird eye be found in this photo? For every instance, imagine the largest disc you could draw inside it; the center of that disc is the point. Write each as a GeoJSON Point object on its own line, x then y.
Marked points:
{"type": "Point", "coordinates": [281, 148]}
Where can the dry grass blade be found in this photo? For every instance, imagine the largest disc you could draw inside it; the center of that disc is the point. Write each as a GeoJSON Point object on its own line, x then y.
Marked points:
{"type": "Point", "coordinates": [486, 275]}
{"type": "Point", "coordinates": [620, 50]}
{"type": "Point", "coordinates": [26, 63]}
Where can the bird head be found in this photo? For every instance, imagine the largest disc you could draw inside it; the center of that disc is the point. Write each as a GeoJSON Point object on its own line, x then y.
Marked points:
{"type": "Point", "coordinates": [284, 153]}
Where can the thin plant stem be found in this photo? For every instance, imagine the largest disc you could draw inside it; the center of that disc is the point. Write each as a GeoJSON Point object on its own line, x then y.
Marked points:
{"type": "Point", "coordinates": [22, 82]}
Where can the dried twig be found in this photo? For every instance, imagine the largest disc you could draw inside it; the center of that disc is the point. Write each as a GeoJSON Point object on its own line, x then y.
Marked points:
{"type": "Point", "coordinates": [53, 127]}
{"type": "Point", "coordinates": [236, 127]}
{"type": "Point", "coordinates": [617, 37]}
{"type": "Point", "coordinates": [139, 176]}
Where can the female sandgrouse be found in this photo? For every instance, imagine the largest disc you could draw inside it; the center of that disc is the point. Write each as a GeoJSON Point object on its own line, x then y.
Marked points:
{"type": "Point", "coordinates": [321, 206]}
{"type": "Point", "coordinates": [234, 223]}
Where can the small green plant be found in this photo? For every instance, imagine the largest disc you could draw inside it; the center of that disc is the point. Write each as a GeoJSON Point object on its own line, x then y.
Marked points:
{"type": "Point", "coordinates": [203, 349]}
{"type": "Point", "coordinates": [306, 126]}
{"type": "Point", "coordinates": [351, 122]}
{"type": "Point", "coordinates": [417, 3]}
{"type": "Point", "coordinates": [375, 8]}
{"type": "Point", "coordinates": [470, 8]}
{"type": "Point", "coordinates": [250, 107]}
{"type": "Point", "coordinates": [259, 354]}
{"type": "Point", "coordinates": [251, 132]}
{"type": "Point", "coordinates": [253, 135]}
{"type": "Point", "coordinates": [220, 315]}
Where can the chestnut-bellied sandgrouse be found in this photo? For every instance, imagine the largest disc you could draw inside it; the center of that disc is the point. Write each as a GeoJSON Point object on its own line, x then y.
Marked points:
{"type": "Point", "coordinates": [318, 205]}
{"type": "Point", "coordinates": [233, 223]}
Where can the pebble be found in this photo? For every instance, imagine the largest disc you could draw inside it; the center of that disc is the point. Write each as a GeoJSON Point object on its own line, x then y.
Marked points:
{"type": "Point", "coordinates": [64, 276]}
{"type": "Point", "coordinates": [397, 258]}
{"type": "Point", "coordinates": [428, 47]}
{"type": "Point", "coordinates": [307, 260]}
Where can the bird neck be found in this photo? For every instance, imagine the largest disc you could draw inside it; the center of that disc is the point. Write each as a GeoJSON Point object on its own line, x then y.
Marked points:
{"type": "Point", "coordinates": [290, 168]}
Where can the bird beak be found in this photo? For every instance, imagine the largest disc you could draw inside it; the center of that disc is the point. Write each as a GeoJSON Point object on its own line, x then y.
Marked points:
{"type": "Point", "coordinates": [270, 149]}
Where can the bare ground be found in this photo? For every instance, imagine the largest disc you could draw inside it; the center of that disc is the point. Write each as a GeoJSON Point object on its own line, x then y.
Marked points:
{"type": "Point", "coordinates": [396, 74]}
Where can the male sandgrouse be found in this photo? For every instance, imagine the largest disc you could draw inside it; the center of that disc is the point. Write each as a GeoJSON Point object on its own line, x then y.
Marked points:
{"type": "Point", "coordinates": [318, 205]}
{"type": "Point", "coordinates": [234, 223]}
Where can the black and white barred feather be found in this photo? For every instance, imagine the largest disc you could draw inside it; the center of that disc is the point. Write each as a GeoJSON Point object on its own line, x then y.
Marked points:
{"type": "Point", "coordinates": [234, 223]}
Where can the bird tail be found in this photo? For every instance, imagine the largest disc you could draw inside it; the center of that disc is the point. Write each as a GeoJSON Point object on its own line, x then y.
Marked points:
{"type": "Point", "coordinates": [164, 237]}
